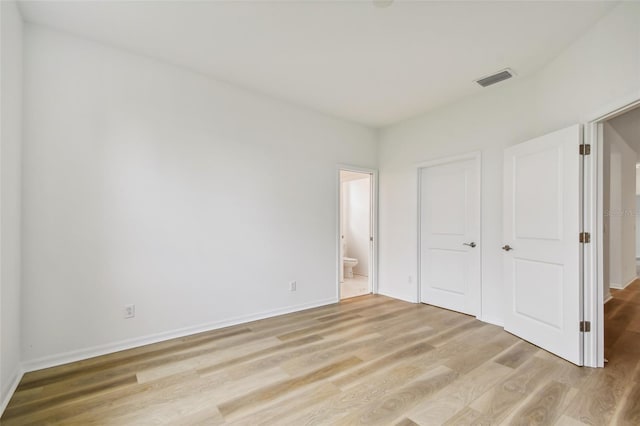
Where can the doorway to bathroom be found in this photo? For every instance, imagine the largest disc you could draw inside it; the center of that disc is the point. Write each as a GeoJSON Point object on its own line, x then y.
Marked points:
{"type": "Point", "coordinates": [356, 233]}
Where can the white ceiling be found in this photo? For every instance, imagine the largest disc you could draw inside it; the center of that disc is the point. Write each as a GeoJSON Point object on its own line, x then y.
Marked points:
{"type": "Point", "coordinates": [349, 59]}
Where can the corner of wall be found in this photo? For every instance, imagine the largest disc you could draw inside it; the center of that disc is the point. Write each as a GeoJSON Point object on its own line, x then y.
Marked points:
{"type": "Point", "coordinates": [11, 86]}
{"type": "Point", "coordinates": [11, 390]}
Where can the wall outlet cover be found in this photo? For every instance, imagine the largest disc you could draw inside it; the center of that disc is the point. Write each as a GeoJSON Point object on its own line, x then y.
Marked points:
{"type": "Point", "coordinates": [130, 311]}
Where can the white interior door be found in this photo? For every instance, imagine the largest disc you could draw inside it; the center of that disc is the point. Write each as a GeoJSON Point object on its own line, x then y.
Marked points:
{"type": "Point", "coordinates": [450, 235]}
{"type": "Point", "coordinates": [542, 253]}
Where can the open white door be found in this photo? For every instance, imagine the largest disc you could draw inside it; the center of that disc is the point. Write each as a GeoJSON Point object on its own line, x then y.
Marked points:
{"type": "Point", "coordinates": [450, 235]}
{"type": "Point", "coordinates": [542, 251]}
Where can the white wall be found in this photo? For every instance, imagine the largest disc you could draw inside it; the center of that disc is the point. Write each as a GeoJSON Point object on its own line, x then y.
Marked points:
{"type": "Point", "coordinates": [614, 212]}
{"type": "Point", "coordinates": [606, 222]}
{"type": "Point", "coordinates": [637, 226]}
{"type": "Point", "coordinates": [621, 210]}
{"type": "Point", "coordinates": [357, 217]}
{"type": "Point", "coordinates": [637, 212]}
{"type": "Point", "coordinates": [629, 218]}
{"type": "Point", "coordinates": [10, 170]}
{"type": "Point", "coordinates": [599, 68]}
{"type": "Point", "coordinates": [151, 185]}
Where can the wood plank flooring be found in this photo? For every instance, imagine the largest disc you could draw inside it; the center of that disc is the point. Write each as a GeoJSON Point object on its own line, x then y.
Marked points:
{"type": "Point", "coordinates": [368, 360]}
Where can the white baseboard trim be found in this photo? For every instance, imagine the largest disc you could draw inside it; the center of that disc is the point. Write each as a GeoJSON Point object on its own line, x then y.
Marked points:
{"type": "Point", "coordinates": [607, 298]}
{"type": "Point", "coordinates": [621, 287]}
{"type": "Point", "coordinates": [12, 389]}
{"type": "Point", "coordinates": [493, 321]}
{"type": "Point", "coordinates": [86, 353]}
{"type": "Point", "coordinates": [382, 293]}
{"type": "Point", "coordinates": [490, 320]}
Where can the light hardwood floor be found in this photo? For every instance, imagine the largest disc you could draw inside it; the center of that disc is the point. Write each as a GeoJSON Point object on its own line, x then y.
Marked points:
{"type": "Point", "coordinates": [368, 360]}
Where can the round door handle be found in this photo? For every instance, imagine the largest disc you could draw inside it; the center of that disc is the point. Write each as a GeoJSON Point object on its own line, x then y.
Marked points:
{"type": "Point", "coordinates": [471, 244]}
{"type": "Point", "coordinates": [507, 247]}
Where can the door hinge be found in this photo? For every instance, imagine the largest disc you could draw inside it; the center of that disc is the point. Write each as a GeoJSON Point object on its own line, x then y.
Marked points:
{"type": "Point", "coordinates": [585, 149]}
{"type": "Point", "coordinates": [585, 326]}
{"type": "Point", "coordinates": [370, 238]}
{"type": "Point", "coordinates": [585, 237]}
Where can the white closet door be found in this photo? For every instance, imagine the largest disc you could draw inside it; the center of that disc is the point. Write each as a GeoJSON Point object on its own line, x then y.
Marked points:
{"type": "Point", "coordinates": [450, 236]}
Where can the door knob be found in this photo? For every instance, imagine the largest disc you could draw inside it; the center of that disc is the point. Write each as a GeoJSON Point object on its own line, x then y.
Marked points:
{"type": "Point", "coordinates": [471, 244]}
{"type": "Point", "coordinates": [507, 247]}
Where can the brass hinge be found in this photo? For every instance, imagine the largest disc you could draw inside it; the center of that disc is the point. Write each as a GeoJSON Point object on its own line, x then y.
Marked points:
{"type": "Point", "coordinates": [585, 237]}
{"type": "Point", "coordinates": [585, 149]}
{"type": "Point", "coordinates": [585, 326]}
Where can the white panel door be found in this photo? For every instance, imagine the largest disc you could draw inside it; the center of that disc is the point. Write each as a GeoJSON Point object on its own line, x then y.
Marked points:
{"type": "Point", "coordinates": [542, 252]}
{"type": "Point", "coordinates": [450, 236]}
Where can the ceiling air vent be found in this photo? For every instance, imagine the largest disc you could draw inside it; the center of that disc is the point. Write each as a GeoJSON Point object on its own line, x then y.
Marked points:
{"type": "Point", "coordinates": [495, 78]}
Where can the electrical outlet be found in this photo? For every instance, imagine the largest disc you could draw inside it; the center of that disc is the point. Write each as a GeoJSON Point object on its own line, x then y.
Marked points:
{"type": "Point", "coordinates": [130, 311]}
{"type": "Point", "coordinates": [293, 286]}
{"type": "Point", "coordinates": [410, 279]}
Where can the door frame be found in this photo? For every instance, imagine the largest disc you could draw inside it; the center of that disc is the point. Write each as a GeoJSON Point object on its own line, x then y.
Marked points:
{"type": "Point", "coordinates": [477, 157]}
{"type": "Point", "coordinates": [373, 224]}
{"type": "Point", "coordinates": [593, 220]}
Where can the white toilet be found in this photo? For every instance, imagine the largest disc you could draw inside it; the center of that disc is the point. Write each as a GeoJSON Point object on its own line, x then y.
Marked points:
{"type": "Point", "coordinates": [349, 264]}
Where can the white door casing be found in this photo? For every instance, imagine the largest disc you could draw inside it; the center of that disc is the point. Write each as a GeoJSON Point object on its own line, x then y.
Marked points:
{"type": "Point", "coordinates": [449, 234]}
{"type": "Point", "coordinates": [542, 253]}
